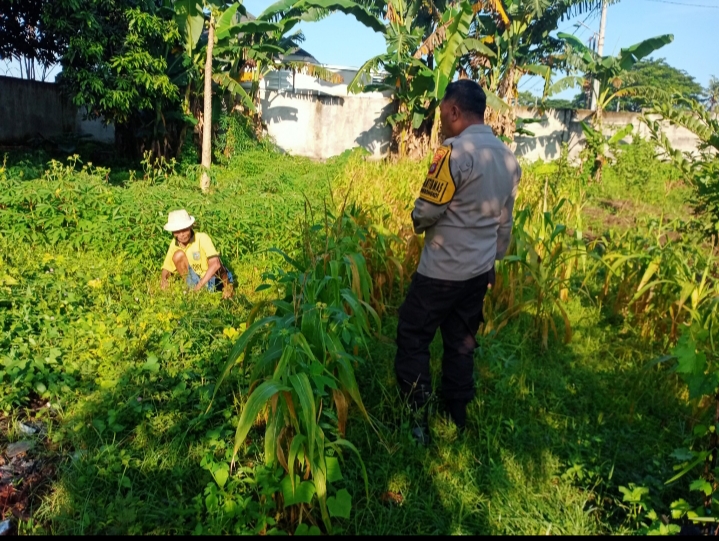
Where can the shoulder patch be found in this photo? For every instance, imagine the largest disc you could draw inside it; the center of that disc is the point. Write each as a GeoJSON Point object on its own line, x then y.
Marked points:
{"type": "Point", "coordinates": [438, 187]}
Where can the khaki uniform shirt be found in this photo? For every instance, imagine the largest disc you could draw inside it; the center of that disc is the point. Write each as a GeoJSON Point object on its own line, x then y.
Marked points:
{"type": "Point", "coordinates": [465, 206]}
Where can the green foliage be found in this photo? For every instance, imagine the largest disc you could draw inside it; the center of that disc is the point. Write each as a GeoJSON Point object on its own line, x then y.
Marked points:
{"type": "Point", "coordinates": [612, 72]}
{"type": "Point", "coordinates": [598, 148]}
{"type": "Point", "coordinates": [152, 392]}
{"type": "Point", "coordinates": [416, 83]}
{"type": "Point", "coordinates": [657, 73]}
{"type": "Point", "coordinates": [527, 99]}
{"type": "Point", "coordinates": [701, 171]}
{"type": "Point", "coordinates": [24, 37]}
{"type": "Point", "coordinates": [234, 136]}
{"type": "Point", "coordinates": [711, 94]}
{"type": "Point", "coordinates": [119, 66]}
{"type": "Point", "coordinates": [695, 357]}
{"type": "Point", "coordinates": [307, 353]}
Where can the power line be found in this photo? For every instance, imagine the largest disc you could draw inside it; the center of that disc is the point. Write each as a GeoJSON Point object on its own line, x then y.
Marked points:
{"type": "Point", "coordinates": [684, 4]}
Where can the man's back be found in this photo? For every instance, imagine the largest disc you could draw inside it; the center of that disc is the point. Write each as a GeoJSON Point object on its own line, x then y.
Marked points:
{"type": "Point", "coordinates": [467, 225]}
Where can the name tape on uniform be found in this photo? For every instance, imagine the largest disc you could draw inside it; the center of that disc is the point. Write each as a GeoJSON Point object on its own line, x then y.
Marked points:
{"type": "Point", "coordinates": [438, 187]}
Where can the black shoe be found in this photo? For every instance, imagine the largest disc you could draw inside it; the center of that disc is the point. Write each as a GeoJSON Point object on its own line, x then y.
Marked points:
{"type": "Point", "coordinates": [420, 427]}
{"type": "Point", "coordinates": [419, 406]}
{"type": "Point", "coordinates": [421, 435]}
{"type": "Point", "coordinates": [457, 412]}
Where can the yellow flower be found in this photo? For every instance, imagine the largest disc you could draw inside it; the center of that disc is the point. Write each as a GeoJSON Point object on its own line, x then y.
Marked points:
{"type": "Point", "coordinates": [95, 283]}
{"type": "Point", "coordinates": [231, 333]}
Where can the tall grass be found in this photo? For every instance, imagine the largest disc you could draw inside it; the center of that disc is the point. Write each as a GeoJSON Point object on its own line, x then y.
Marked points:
{"type": "Point", "coordinates": [282, 379]}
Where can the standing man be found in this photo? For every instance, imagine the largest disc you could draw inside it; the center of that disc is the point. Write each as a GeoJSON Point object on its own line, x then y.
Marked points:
{"type": "Point", "coordinates": [465, 211]}
{"type": "Point", "coordinates": [193, 256]}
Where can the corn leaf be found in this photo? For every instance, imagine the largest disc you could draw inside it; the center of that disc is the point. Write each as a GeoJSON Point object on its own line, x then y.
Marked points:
{"type": "Point", "coordinates": [295, 447]}
{"type": "Point", "coordinates": [255, 403]}
{"type": "Point", "coordinates": [238, 351]}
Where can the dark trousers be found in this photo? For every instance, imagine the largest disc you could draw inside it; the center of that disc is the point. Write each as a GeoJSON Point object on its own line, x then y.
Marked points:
{"type": "Point", "coordinates": [456, 309]}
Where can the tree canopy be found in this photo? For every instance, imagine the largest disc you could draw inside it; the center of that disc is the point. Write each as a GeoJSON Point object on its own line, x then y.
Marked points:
{"type": "Point", "coordinates": [25, 38]}
{"type": "Point", "coordinates": [657, 73]}
{"type": "Point", "coordinates": [120, 64]}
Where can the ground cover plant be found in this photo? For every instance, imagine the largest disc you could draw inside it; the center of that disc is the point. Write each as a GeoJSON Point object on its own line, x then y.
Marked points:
{"type": "Point", "coordinates": [144, 411]}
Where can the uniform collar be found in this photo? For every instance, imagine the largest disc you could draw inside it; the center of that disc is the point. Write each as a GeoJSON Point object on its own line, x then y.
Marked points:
{"type": "Point", "coordinates": [477, 128]}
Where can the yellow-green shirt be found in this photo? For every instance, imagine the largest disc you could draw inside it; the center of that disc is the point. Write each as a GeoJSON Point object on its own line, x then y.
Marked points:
{"type": "Point", "coordinates": [198, 251]}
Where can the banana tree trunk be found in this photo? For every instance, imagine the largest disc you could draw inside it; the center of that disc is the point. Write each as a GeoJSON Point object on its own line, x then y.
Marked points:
{"type": "Point", "coordinates": [503, 122]}
{"type": "Point", "coordinates": [435, 136]}
{"type": "Point", "coordinates": [207, 116]}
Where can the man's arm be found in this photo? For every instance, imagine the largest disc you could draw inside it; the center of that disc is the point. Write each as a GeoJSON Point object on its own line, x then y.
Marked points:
{"type": "Point", "coordinates": [213, 265]}
{"type": "Point", "coordinates": [168, 267]}
{"type": "Point", "coordinates": [163, 279]}
{"type": "Point", "coordinates": [438, 189]}
{"type": "Point", "coordinates": [426, 214]}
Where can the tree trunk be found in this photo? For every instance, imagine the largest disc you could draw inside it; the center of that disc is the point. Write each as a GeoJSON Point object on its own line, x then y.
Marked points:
{"type": "Point", "coordinates": [207, 116]}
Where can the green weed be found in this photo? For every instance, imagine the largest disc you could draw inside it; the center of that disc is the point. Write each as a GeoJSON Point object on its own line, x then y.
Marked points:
{"type": "Point", "coordinates": [567, 431]}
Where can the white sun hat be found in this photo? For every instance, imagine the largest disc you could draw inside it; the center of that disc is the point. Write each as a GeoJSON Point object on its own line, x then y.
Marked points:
{"type": "Point", "coordinates": [178, 220]}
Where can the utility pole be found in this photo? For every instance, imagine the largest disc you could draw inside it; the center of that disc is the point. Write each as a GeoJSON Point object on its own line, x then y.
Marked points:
{"type": "Point", "coordinates": [600, 51]}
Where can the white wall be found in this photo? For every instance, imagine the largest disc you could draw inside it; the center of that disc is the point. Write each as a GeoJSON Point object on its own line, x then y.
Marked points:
{"type": "Point", "coordinates": [94, 129]}
{"type": "Point", "coordinates": [564, 126]}
{"type": "Point", "coordinates": [318, 125]}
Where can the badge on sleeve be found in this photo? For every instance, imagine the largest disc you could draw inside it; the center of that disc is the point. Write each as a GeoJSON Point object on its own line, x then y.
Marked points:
{"type": "Point", "coordinates": [438, 187]}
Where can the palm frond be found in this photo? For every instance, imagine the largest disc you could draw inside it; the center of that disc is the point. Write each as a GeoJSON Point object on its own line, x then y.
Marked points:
{"type": "Point", "coordinates": [564, 84]}
{"type": "Point", "coordinates": [225, 81]}
{"type": "Point", "coordinates": [363, 77]}
{"type": "Point", "coordinates": [313, 70]}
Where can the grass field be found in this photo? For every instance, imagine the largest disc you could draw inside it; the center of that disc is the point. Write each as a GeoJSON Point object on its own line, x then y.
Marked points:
{"type": "Point", "coordinates": [118, 375]}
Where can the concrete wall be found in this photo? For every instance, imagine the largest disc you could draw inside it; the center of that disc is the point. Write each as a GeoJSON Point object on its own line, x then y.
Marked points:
{"type": "Point", "coordinates": [94, 129]}
{"type": "Point", "coordinates": [564, 126]}
{"type": "Point", "coordinates": [306, 117]}
{"type": "Point", "coordinates": [29, 108]}
{"type": "Point", "coordinates": [32, 108]}
{"type": "Point", "coordinates": [318, 125]}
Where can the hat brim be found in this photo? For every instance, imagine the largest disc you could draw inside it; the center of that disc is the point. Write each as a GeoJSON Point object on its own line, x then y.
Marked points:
{"type": "Point", "coordinates": [179, 226]}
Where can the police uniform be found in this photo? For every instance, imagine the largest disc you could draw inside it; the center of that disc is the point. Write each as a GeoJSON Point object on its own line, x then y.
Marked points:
{"type": "Point", "coordinates": [465, 211]}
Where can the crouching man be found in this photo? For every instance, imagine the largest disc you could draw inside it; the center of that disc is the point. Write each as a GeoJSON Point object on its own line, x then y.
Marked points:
{"type": "Point", "coordinates": [193, 256]}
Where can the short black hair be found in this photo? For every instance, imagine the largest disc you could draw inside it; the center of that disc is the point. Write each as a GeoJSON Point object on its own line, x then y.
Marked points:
{"type": "Point", "coordinates": [468, 96]}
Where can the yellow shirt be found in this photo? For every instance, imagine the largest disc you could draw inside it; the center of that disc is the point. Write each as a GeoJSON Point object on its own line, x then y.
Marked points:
{"type": "Point", "coordinates": [198, 251]}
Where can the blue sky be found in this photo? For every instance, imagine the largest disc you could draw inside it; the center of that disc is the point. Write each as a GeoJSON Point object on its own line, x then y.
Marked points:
{"type": "Point", "coordinates": [341, 40]}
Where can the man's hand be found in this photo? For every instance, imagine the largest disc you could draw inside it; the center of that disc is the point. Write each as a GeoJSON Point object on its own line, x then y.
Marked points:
{"type": "Point", "coordinates": [228, 291]}
{"type": "Point", "coordinates": [163, 279]}
{"type": "Point", "coordinates": [492, 278]}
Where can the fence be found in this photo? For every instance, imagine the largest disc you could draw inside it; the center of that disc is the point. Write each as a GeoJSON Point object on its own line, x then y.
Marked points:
{"type": "Point", "coordinates": [305, 117]}
{"type": "Point", "coordinates": [31, 109]}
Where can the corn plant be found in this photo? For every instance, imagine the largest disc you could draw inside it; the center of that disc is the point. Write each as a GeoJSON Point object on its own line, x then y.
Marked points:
{"type": "Point", "coordinates": [657, 283]}
{"type": "Point", "coordinates": [695, 361]}
{"type": "Point", "coordinates": [536, 273]}
{"type": "Point", "coordinates": [701, 170]}
{"type": "Point", "coordinates": [303, 376]}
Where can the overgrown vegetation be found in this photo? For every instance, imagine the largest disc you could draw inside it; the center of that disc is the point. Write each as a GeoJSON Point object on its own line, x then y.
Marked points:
{"type": "Point", "coordinates": [169, 412]}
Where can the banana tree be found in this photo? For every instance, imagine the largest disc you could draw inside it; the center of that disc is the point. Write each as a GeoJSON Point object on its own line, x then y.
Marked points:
{"type": "Point", "coordinates": [235, 46]}
{"type": "Point", "coordinates": [420, 61]}
{"type": "Point", "coordinates": [264, 44]}
{"type": "Point", "coordinates": [517, 32]}
{"type": "Point", "coordinates": [610, 71]}
{"type": "Point", "coordinates": [192, 18]}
